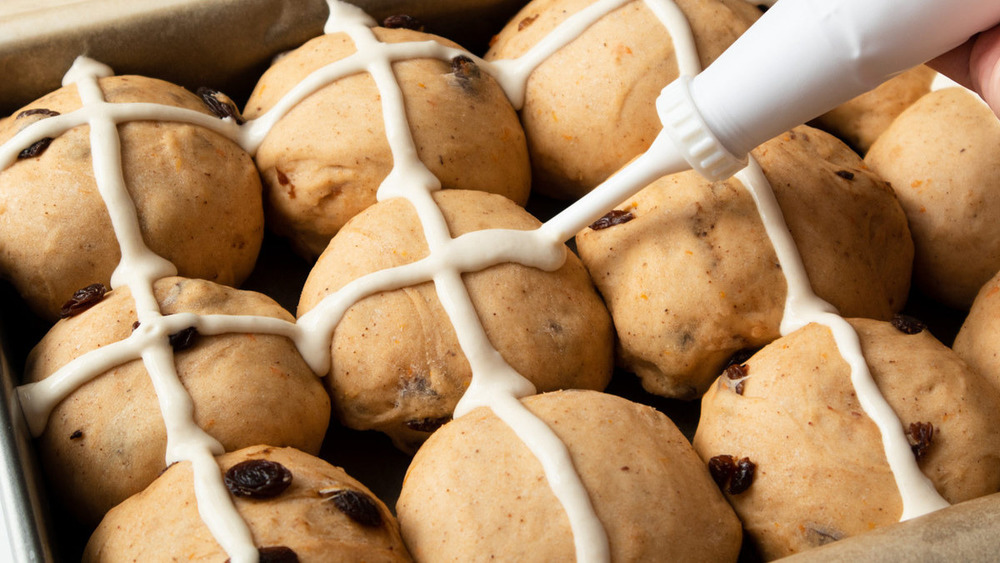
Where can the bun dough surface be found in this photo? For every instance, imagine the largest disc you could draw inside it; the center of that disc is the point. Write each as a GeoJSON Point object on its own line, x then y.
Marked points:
{"type": "Point", "coordinates": [693, 278]}
{"type": "Point", "coordinates": [397, 364]}
{"type": "Point", "coordinates": [861, 120]}
{"type": "Point", "coordinates": [822, 472]}
{"type": "Point", "coordinates": [197, 195]}
{"type": "Point", "coordinates": [978, 341]}
{"type": "Point", "coordinates": [107, 440]}
{"type": "Point", "coordinates": [162, 523]}
{"type": "Point", "coordinates": [475, 492]}
{"type": "Point", "coordinates": [942, 156]}
{"type": "Point", "coordinates": [589, 108]}
{"type": "Point", "coordinates": [323, 162]}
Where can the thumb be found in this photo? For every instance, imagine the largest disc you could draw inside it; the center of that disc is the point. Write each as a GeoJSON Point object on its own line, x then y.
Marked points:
{"type": "Point", "coordinates": [984, 67]}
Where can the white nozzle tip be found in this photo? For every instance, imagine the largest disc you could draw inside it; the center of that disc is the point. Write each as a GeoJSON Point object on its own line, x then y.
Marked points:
{"type": "Point", "coordinates": [692, 136]}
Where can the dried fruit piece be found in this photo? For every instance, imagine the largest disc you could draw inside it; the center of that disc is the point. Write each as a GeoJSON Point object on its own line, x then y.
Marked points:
{"type": "Point", "coordinates": [738, 389]}
{"type": "Point", "coordinates": [525, 22]}
{"type": "Point", "coordinates": [220, 104]}
{"type": "Point", "coordinates": [611, 219]}
{"type": "Point", "coordinates": [39, 146]}
{"type": "Point", "coordinates": [183, 339]}
{"type": "Point", "coordinates": [722, 468]}
{"type": "Point", "coordinates": [741, 356]}
{"type": "Point", "coordinates": [908, 325]}
{"type": "Point", "coordinates": [737, 371]}
{"type": "Point", "coordinates": [356, 505]}
{"type": "Point", "coordinates": [82, 300]}
{"type": "Point", "coordinates": [427, 424]}
{"type": "Point", "coordinates": [742, 477]}
{"type": "Point", "coordinates": [817, 536]}
{"type": "Point", "coordinates": [920, 436]}
{"type": "Point", "coordinates": [35, 149]}
{"type": "Point", "coordinates": [465, 70]}
{"type": "Point", "coordinates": [733, 477]}
{"type": "Point", "coordinates": [76, 435]}
{"type": "Point", "coordinates": [402, 21]}
{"type": "Point", "coordinates": [257, 478]}
{"type": "Point", "coordinates": [845, 174]}
{"type": "Point", "coordinates": [277, 554]}
{"type": "Point", "coordinates": [37, 111]}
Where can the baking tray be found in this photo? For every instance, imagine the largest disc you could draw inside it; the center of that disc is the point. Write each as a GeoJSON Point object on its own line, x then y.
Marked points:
{"type": "Point", "coordinates": [227, 44]}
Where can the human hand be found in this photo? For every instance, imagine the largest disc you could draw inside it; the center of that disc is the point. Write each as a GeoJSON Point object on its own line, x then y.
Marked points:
{"type": "Point", "coordinates": [975, 65]}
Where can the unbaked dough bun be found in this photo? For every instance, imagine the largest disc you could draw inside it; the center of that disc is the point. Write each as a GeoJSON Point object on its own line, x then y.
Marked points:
{"type": "Point", "coordinates": [942, 156]}
{"type": "Point", "coordinates": [475, 492]}
{"type": "Point", "coordinates": [859, 121]}
{"type": "Point", "coordinates": [197, 194]}
{"type": "Point", "coordinates": [397, 364]}
{"type": "Point", "coordinates": [162, 522]}
{"type": "Point", "coordinates": [821, 470]}
{"type": "Point", "coordinates": [978, 341]}
{"type": "Point", "coordinates": [107, 440]}
{"type": "Point", "coordinates": [692, 278]}
{"type": "Point", "coordinates": [590, 108]}
{"type": "Point", "coordinates": [323, 162]}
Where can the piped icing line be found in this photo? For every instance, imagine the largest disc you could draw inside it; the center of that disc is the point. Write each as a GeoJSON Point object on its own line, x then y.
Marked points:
{"type": "Point", "coordinates": [679, 28]}
{"type": "Point", "coordinates": [537, 436]}
{"type": "Point", "coordinates": [512, 74]}
{"type": "Point", "coordinates": [39, 398]}
{"type": "Point", "coordinates": [410, 179]}
{"type": "Point", "coordinates": [629, 180]}
{"type": "Point", "coordinates": [470, 252]}
{"type": "Point", "coordinates": [138, 269]}
{"type": "Point", "coordinates": [118, 113]}
{"type": "Point", "coordinates": [803, 306]}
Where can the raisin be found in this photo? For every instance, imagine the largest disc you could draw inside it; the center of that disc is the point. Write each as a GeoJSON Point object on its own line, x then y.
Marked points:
{"type": "Point", "coordinates": [403, 21]}
{"type": "Point", "coordinates": [920, 435]}
{"type": "Point", "coordinates": [613, 218]}
{"type": "Point", "coordinates": [220, 104]}
{"type": "Point", "coordinates": [135, 325]}
{"type": "Point", "coordinates": [357, 506]}
{"type": "Point", "coordinates": [845, 174]}
{"type": "Point", "coordinates": [908, 325]}
{"type": "Point", "coordinates": [35, 149]}
{"type": "Point", "coordinates": [427, 424]}
{"type": "Point", "coordinates": [730, 475]}
{"type": "Point", "coordinates": [465, 70]}
{"type": "Point", "coordinates": [818, 537]}
{"type": "Point", "coordinates": [37, 111]}
{"type": "Point", "coordinates": [737, 371]}
{"type": "Point", "coordinates": [76, 435]}
{"type": "Point", "coordinates": [740, 386]}
{"type": "Point", "coordinates": [741, 356]}
{"type": "Point", "coordinates": [183, 339]}
{"type": "Point", "coordinates": [277, 554]}
{"type": "Point", "coordinates": [82, 300]}
{"type": "Point", "coordinates": [258, 478]}
{"type": "Point", "coordinates": [722, 468]}
{"type": "Point", "coordinates": [526, 22]}
{"type": "Point", "coordinates": [742, 477]}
